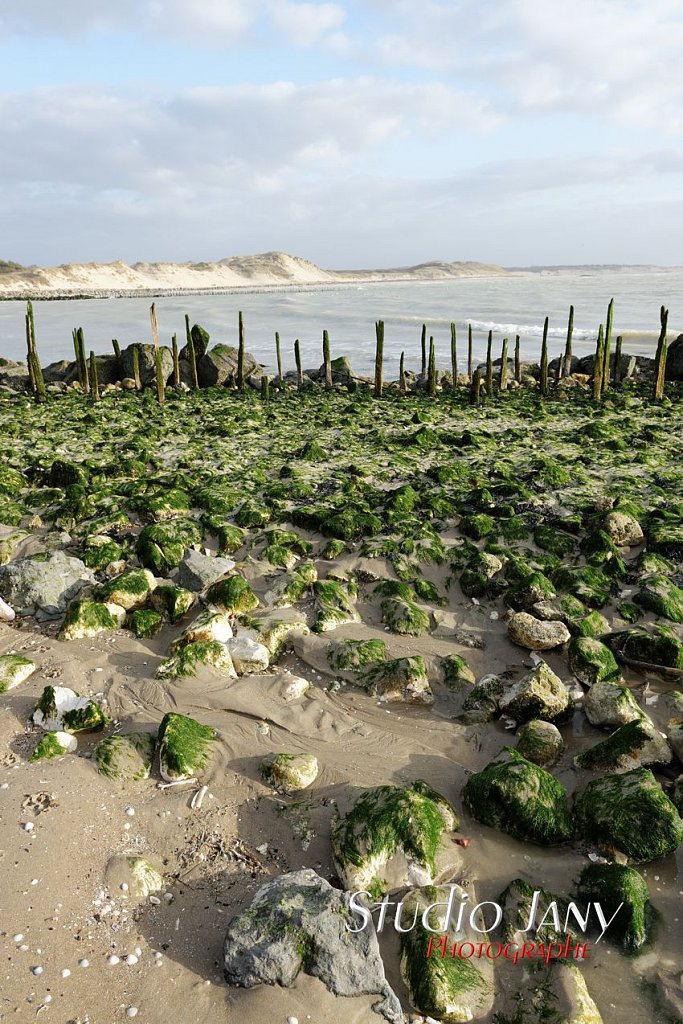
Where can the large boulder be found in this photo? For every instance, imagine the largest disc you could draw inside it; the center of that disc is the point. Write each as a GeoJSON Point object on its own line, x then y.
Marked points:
{"type": "Point", "coordinates": [196, 571]}
{"type": "Point", "coordinates": [299, 922]}
{"type": "Point", "coordinates": [592, 662]}
{"type": "Point", "coordinates": [620, 891]}
{"type": "Point", "coordinates": [218, 367]}
{"type": "Point", "coordinates": [674, 359]}
{"type": "Point", "coordinates": [540, 742]}
{"type": "Point", "coordinates": [290, 773]}
{"type": "Point", "coordinates": [184, 747]}
{"type": "Point", "coordinates": [147, 362]}
{"type": "Point", "coordinates": [538, 694]}
{"type": "Point", "coordinates": [633, 745]}
{"type": "Point", "coordinates": [535, 634]}
{"type": "Point", "coordinates": [397, 679]}
{"type": "Point", "coordinates": [43, 587]}
{"type": "Point", "coordinates": [611, 705]}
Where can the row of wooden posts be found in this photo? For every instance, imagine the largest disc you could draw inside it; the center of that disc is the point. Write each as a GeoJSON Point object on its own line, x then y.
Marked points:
{"type": "Point", "coordinates": [87, 369]}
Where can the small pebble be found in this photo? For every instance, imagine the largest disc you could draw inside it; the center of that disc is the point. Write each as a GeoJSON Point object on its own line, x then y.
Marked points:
{"type": "Point", "coordinates": [113, 960]}
{"type": "Point", "coordinates": [47, 998]}
{"type": "Point", "coordinates": [37, 971]}
{"type": "Point", "coordinates": [28, 826]}
{"type": "Point", "coordinates": [66, 972]}
{"type": "Point", "coordinates": [132, 1011]}
{"type": "Point", "coordinates": [5, 785]}
{"type": "Point", "coordinates": [18, 937]}
{"type": "Point", "coordinates": [154, 900]}
{"type": "Point", "coordinates": [84, 963]}
{"type": "Point", "coordinates": [292, 1020]}
{"type": "Point", "coordinates": [23, 948]}
{"type": "Point", "coordinates": [130, 811]}
{"type": "Point", "coordinates": [131, 959]}
{"type": "Point", "coordinates": [124, 887]}
{"type": "Point", "coordinates": [137, 951]}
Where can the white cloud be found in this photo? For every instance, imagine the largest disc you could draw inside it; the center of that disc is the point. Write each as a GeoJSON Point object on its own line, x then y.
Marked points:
{"type": "Point", "coordinates": [306, 23]}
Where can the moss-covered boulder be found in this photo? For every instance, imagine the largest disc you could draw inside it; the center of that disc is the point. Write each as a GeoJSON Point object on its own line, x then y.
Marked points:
{"type": "Point", "coordinates": [657, 646]}
{"type": "Point", "coordinates": [126, 756]}
{"type": "Point", "coordinates": [593, 624]}
{"type": "Point", "coordinates": [592, 662]}
{"type": "Point", "coordinates": [529, 591]}
{"type": "Point", "coordinates": [186, 661]}
{"type": "Point", "coordinates": [14, 670]}
{"type": "Point", "coordinates": [232, 595]}
{"type": "Point", "coordinates": [481, 703]}
{"type": "Point", "coordinates": [517, 797]}
{"type": "Point", "coordinates": [397, 679]}
{"type": "Point", "coordinates": [538, 694]}
{"type": "Point", "coordinates": [517, 900]}
{"type": "Point", "coordinates": [623, 529]}
{"type": "Point", "coordinates": [634, 745]}
{"type": "Point", "coordinates": [444, 987]}
{"type": "Point", "coordinates": [352, 655]}
{"type": "Point", "coordinates": [275, 634]}
{"type": "Point", "coordinates": [399, 609]}
{"type": "Point", "coordinates": [292, 586]}
{"type": "Point", "coordinates": [540, 741]}
{"type": "Point", "coordinates": [209, 625]}
{"type": "Point", "coordinates": [172, 602]}
{"type": "Point", "coordinates": [536, 635]}
{"type": "Point", "coordinates": [100, 551]}
{"type": "Point", "coordinates": [129, 590]}
{"type": "Point", "coordinates": [586, 582]}
{"type": "Point", "coordinates": [161, 546]}
{"type": "Point", "coordinates": [290, 773]}
{"type": "Point", "coordinates": [391, 838]}
{"type": "Point", "coordinates": [88, 618]}
{"type": "Point", "coordinates": [456, 673]}
{"type": "Point", "coordinates": [333, 606]}
{"type": "Point", "coordinates": [628, 817]}
{"type": "Point", "coordinates": [184, 747]}
{"type": "Point", "coordinates": [622, 893]}
{"type": "Point", "coordinates": [144, 622]}
{"type": "Point", "coordinates": [610, 705]}
{"type": "Point", "coordinates": [660, 595]}
{"type": "Point", "coordinates": [63, 710]}
{"type": "Point", "coordinates": [54, 744]}
{"type": "Point", "coordinates": [556, 994]}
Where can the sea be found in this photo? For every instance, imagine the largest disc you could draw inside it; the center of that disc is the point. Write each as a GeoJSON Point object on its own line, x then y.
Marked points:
{"type": "Point", "coordinates": [516, 303]}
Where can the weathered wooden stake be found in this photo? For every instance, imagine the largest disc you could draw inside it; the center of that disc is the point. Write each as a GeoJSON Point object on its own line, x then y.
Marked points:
{"type": "Point", "coordinates": [660, 358]}
{"type": "Point", "coordinates": [599, 364]}
{"type": "Point", "coordinates": [240, 353]}
{"type": "Point", "coordinates": [192, 354]}
{"type": "Point", "coordinates": [567, 361]}
{"type": "Point", "coordinates": [402, 374]}
{"type": "Point", "coordinates": [379, 358]}
{"type": "Point", "coordinates": [265, 388]}
{"type": "Point", "coordinates": [80, 337]}
{"type": "Point", "coordinates": [423, 345]}
{"type": "Point", "coordinates": [454, 356]}
{"type": "Point", "coordinates": [159, 375]}
{"type": "Point", "coordinates": [608, 345]}
{"type": "Point", "coordinates": [504, 366]}
{"type": "Point", "coordinates": [136, 368]}
{"type": "Point", "coordinates": [489, 366]}
{"type": "Point", "coordinates": [278, 355]}
{"type": "Point", "coordinates": [117, 354]}
{"type": "Point", "coordinates": [431, 371]}
{"type": "Point", "coordinates": [94, 382]}
{"type": "Point", "coordinates": [544, 359]}
{"type": "Point", "coordinates": [327, 362]}
{"type": "Point", "coordinates": [469, 351]}
{"type": "Point", "coordinates": [616, 376]}
{"type": "Point", "coordinates": [299, 371]}
{"type": "Point", "coordinates": [29, 346]}
{"type": "Point", "coordinates": [475, 387]}
{"type": "Point", "coordinates": [518, 361]}
{"type": "Point", "coordinates": [176, 361]}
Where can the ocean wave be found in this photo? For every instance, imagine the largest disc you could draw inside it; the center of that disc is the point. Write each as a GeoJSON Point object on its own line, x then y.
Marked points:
{"type": "Point", "coordinates": [530, 330]}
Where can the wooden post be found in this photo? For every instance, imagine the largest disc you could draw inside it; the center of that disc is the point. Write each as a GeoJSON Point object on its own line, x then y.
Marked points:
{"type": "Point", "coordinates": [94, 382]}
{"type": "Point", "coordinates": [469, 351]}
{"type": "Point", "coordinates": [34, 368]}
{"type": "Point", "coordinates": [489, 366]}
{"type": "Point", "coordinates": [159, 375]}
{"type": "Point", "coordinates": [29, 346]}
{"type": "Point", "coordinates": [327, 362]}
{"type": "Point", "coordinates": [504, 366]}
{"type": "Point", "coordinates": [608, 345]}
{"type": "Point", "coordinates": [176, 361]}
{"type": "Point", "coordinates": [518, 361]}
{"type": "Point", "coordinates": [567, 361]}
{"type": "Point", "coordinates": [265, 388]}
{"type": "Point", "coordinates": [617, 361]}
{"type": "Point", "coordinates": [544, 359]}
{"type": "Point", "coordinates": [84, 362]}
{"type": "Point", "coordinates": [117, 353]}
{"type": "Point", "coordinates": [136, 368]}
{"type": "Point", "coordinates": [154, 325]}
{"type": "Point", "coordinates": [423, 345]}
{"type": "Point", "coordinates": [475, 387]}
{"type": "Point", "coordinates": [431, 371]}
{"type": "Point", "coordinates": [297, 358]}
{"type": "Point", "coordinates": [379, 358]}
{"type": "Point", "coordinates": [660, 358]}
{"type": "Point", "coordinates": [402, 374]}
{"type": "Point", "coordinates": [240, 353]}
{"type": "Point", "coordinates": [278, 356]}
{"type": "Point", "coordinates": [454, 356]}
{"type": "Point", "coordinates": [599, 364]}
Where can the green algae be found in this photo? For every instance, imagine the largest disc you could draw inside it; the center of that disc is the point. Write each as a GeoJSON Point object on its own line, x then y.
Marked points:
{"type": "Point", "coordinates": [184, 746]}
{"type": "Point", "coordinates": [620, 891]}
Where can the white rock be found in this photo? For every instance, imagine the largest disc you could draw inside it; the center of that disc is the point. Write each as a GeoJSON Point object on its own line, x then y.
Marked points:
{"type": "Point", "coordinates": [247, 655]}
{"type": "Point", "coordinates": [7, 614]}
{"type": "Point", "coordinates": [295, 688]}
{"type": "Point", "coordinates": [65, 700]}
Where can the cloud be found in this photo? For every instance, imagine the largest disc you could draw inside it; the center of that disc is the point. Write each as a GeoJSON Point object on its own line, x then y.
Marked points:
{"type": "Point", "coordinates": [306, 23]}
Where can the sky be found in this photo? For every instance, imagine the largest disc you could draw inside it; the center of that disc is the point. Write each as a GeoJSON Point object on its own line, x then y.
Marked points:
{"type": "Point", "coordinates": [356, 134]}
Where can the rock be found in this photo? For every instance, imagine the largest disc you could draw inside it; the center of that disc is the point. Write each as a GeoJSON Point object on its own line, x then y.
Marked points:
{"type": "Point", "coordinates": [557, 993]}
{"type": "Point", "coordinates": [218, 367]}
{"type": "Point", "coordinates": [137, 877]}
{"type": "Point", "coordinates": [299, 922]}
{"type": "Point", "coordinates": [188, 659]}
{"type": "Point", "coordinates": [126, 756]}
{"type": "Point", "coordinates": [447, 988]}
{"type": "Point", "coordinates": [674, 360]}
{"type": "Point", "coordinates": [391, 838]}
{"type": "Point", "coordinates": [518, 797]}
{"type": "Point", "coordinates": [538, 694]}
{"type": "Point", "coordinates": [332, 605]}
{"type": "Point", "coordinates": [43, 587]}
{"type": "Point", "coordinates": [585, 582]}
{"type": "Point", "coordinates": [611, 705]}
{"type": "Point", "coordinates": [517, 901]}
{"type": "Point", "coordinates": [592, 662]}
{"type": "Point", "coordinates": [172, 602]}
{"type": "Point", "coordinates": [210, 625]}
{"type": "Point", "coordinates": [540, 742]}
{"type": "Point", "coordinates": [292, 586]}
{"type": "Point", "coordinates": [63, 710]}
{"type": "Point", "coordinates": [293, 687]}
{"type": "Point", "coordinates": [54, 744]}
{"type": "Point", "coordinates": [627, 817]}
{"type": "Point", "coordinates": [88, 618]}
{"type": "Point", "coordinates": [353, 655]}
{"type": "Point", "coordinates": [161, 546]}
{"type": "Point", "coordinates": [7, 614]}
{"type": "Point", "coordinates": [290, 773]}
{"type": "Point", "coordinates": [677, 794]}
{"type": "Point", "coordinates": [457, 675]}
{"type": "Point", "coordinates": [144, 622]}
{"type": "Point", "coordinates": [184, 747]}
{"type": "Point", "coordinates": [397, 679]}
{"type": "Point", "coordinates": [624, 530]}
{"type": "Point", "coordinates": [658, 645]}
{"type": "Point", "coordinates": [481, 703]}
{"type": "Point", "coordinates": [200, 341]}
{"type": "Point", "coordinates": [669, 991]}
{"type": "Point", "coordinates": [14, 670]}
{"type": "Point", "coordinates": [197, 571]}
{"type": "Point", "coordinates": [660, 595]}
{"type": "Point", "coordinates": [634, 745]}
{"type": "Point", "coordinates": [275, 634]}
{"type": "Point", "coordinates": [675, 738]}
{"type": "Point", "coordinates": [531, 590]}
{"type": "Point", "coordinates": [623, 892]}
{"type": "Point", "coordinates": [233, 595]}
{"type": "Point", "coordinates": [342, 371]}
{"type": "Point", "coordinates": [399, 608]}
{"type": "Point", "coordinates": [147, 361]}
{"type": "Point", "coordinates": [247, 655]}
{"type": "Point", "coordinates": [535, 635]}
{"type": "Point", "coordinates": [130, 590]}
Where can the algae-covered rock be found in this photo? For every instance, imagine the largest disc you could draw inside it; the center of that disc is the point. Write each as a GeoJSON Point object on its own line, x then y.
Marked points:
{"type": "Point", "coordinates": [593, 624]}
{"type": "Point", "coordinates": [633, 745]}
{"type": "Point", "coordinates": [518, 797]}
{"type": "Point", "coordinates": [333, 606]}
{"type": "Point", "coordinates": [399, 609]}
{"type": "Point", "coordinates": [137, 877]}
{"type": "Point", "coordinates": [293, 586]}
{"type": "Point", "coordinates": [628, 817]}
{"type": "Point", "coordinates": [290, 773]}
{"type": "Point", "coordinates": [54, 744]}
{"type": "Point", "coordinates": [172, 602]}
{"type": "Point", "coordinates": [624, 530]}
{"type": "Point", "coordinates": [210, 625]}
{"type": "Point", "coordinates": [43, 587]}
{"type": "Point", "coordinates": [539, 741]}
{"type": "Point", "coordinates": [352, 655]}
{"type": "Point", "coordinates": [100, 551]}
{"type": "Point", "coordinates": [126, 756]}
{"type": "Point", "coordinates": [676, 794]}
{"type": "Point", "coordinates": [130, 590]}
{"type": "Point", "coordinates": [481, 703]}
{"type": "Point", "coordinates": [456, 673]}
{"type": "Point", "coordinates": [445, 987]}
{"type": "Point", "coordinates": [161, 546]}
{"type": "Point", "coordinates": [586, 582]}
{"type": "Point", "coordinates": [538, 694]}
{"type": "Point", "coordinates": [232, 595]}
{"type": "Point", "coordinates": [391, 837]}
{"type": "Point", "coordinates": [658, 645]}
{"type": "Point", "coordinates": [611, 705]}
{"type": "Point", "coordinates": [188, 659]}
{"type": "Point", "coordinates": [623, 894]}
{"type": "Point", "coordinates": [88, 618]}
{"type": "Point", "coordinates": [530, 590]}
{"type": "Point", "coordinates": [184, 747]}
{"type": "Point", "coordinates": [275, 634]}
{"type": "Point", "coordinates": [247, 655]}
{"type": "Point", "coordinates": [197, 571]}
{"type": "Point", "coordinates": [660, 595]}
{"type": "Point", "coordinates": [298, 922]}
{"type": "Point", "coordinates": [536, 635]}
{"type": "Point", "coordinates": [556, 994]}
{"type": "Point", "coordinates": [517, 900]}
{"type": "Point", "coordinates": [63, 710]}
{"type": "Point", "coordinates": [144, 622]}
{"type": "Point", "coordinates": [14, 670]}
{"type": "Point", "coordinates": [592, 662]}
{"type": "Point", "coordinates": [397, 679]}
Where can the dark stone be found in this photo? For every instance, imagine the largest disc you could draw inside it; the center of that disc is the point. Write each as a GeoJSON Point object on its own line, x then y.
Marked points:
{"type": "Point", "coordinates": [147, 363]}
{"type": "Point", "coordinates": [218, 367]}
{"type": "Point", "coordinates": [674, 360]}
